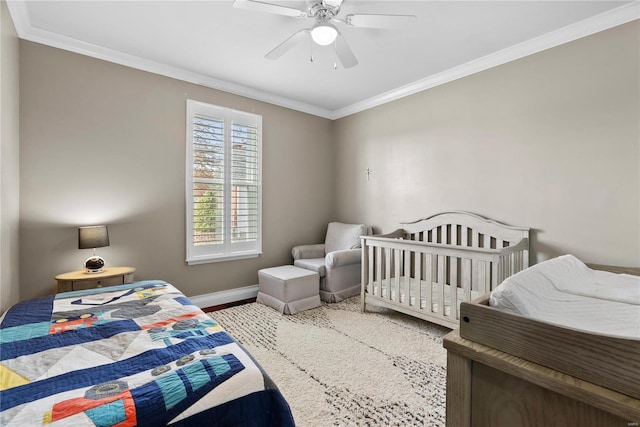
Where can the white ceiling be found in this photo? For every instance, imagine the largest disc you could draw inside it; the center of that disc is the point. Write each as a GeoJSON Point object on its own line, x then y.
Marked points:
{"type": "Point", "coordinates": [216, 45]}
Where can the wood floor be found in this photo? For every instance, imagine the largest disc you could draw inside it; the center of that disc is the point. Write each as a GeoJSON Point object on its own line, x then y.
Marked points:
{"type": "Point", "coordinates": [227, 305]}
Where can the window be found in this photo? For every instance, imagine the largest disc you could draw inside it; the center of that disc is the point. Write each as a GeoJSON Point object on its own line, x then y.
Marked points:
{"type": "Point", "coordinates": [224, 161]}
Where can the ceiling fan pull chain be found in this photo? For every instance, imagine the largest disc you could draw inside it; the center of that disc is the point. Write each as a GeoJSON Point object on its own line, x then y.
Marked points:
{"type": "Point", "coordinates": [311, 49]}
{"type": "Point", "coordinates": [335, 54]}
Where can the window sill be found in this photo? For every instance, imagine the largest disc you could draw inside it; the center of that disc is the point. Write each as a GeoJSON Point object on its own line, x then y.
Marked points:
{"type": "Point", "coordinates": [221, 258]}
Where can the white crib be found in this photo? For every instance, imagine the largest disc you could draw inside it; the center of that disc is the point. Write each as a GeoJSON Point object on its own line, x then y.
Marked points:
{"type": "Point", "coordinates": [427, 268]}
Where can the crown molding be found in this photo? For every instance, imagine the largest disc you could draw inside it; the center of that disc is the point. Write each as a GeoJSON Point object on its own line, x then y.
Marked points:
{"type": "Point", "coordinates": [595, 24]}
{"type": "Point", "coordinates": [19, 14]}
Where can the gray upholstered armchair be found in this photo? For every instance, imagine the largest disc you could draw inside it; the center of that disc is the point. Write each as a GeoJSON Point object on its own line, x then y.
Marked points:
{"type": "Point", "coordinates": [337, 260]}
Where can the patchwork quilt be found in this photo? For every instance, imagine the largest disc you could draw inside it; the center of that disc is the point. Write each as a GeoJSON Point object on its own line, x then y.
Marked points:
{"type": "Point", "coordinates": [136, 354]}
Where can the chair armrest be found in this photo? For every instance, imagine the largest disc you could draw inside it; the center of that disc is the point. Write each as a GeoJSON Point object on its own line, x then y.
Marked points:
{"type": "Point", "coordinates": [308, 251]}
{"type": "Point", "coordinates": [346, 257]}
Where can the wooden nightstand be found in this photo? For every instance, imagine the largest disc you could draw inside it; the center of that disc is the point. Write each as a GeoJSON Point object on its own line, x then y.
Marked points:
{"type": "Point", "coordinates": [79, 280]}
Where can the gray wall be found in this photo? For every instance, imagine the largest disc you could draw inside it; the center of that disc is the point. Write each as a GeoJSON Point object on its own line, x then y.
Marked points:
{"type": "Point", "coordinates": [103, 143]}
{"type": "Point", "coordinates": [551, 142]}
{"type": "Point", "coordinates": [9, 161]}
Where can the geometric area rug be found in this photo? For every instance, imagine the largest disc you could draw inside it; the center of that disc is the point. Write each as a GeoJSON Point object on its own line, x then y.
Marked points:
{"type": "Point", "coordinates": [339, 367]}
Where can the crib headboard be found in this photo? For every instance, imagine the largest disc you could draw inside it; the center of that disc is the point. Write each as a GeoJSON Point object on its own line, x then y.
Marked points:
{"type": "Point", "coordinates": [465, 229]}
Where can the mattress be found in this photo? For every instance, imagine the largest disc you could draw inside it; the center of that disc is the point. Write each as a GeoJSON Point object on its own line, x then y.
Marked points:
{"type": "Point", "coordinates": [375, 290]}
{"type": "Point", "coordinates": [565, 292]}
{"type": "Point", "coordinates": [136, 354]}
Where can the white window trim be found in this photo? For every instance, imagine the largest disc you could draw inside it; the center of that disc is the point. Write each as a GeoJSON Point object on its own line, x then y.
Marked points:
{"type": "Point", "coordinates": [201, 255]}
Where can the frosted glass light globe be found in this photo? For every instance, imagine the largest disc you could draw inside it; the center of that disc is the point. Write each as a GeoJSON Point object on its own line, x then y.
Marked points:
{"type": "Point", "coordinates": [324, 33]}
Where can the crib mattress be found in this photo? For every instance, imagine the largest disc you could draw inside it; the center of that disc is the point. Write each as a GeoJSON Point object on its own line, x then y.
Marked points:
{"type": "Point", "coordinates": [564, 291]}
{"type": "Point", "coordinates": [376, 290]}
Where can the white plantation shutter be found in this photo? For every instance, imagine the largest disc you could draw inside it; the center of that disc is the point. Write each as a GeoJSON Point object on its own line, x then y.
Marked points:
{"type": "Point", "coordinates": [223, 183]}
{"type": "Point", "coordinates": [244, 183]}
{"type": "Point", "coordinates": [208, 181]}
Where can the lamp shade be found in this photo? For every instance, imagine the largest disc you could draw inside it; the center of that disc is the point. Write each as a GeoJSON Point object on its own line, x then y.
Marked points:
{"type": "Point", "coordinates": [91, 237]}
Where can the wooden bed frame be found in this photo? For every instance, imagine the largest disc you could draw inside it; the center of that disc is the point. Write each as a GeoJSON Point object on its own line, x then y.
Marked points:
{"type": "Point", "coordinates": [505, 369]}
{"type": "Point", "coordinates": [429, 266]}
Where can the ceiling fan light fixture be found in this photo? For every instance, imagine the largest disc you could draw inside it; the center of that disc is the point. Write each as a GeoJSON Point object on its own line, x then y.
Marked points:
{"type": "Point", "coordinates": [323, 33]}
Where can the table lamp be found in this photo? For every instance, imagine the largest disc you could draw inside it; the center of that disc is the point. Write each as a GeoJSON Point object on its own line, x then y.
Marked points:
{"type": "Point", "coordinates": [92, 237]}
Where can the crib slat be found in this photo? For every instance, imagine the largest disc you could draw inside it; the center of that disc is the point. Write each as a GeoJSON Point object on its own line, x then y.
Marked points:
{"type": "Point", "coordinates": [466, 278]}
{"type": "Point", "coordinates": [379, 262]}
{"type": "Point", "coordinates": [507, 270]}
{"type": "Point", "coordinates": [482, 277]}
{"type": "Point", "coordinates": [453, 274]}
{"type": "Point", "coordinates": [407, 278]}
{"type": "Point", "coordinates": [487, 276]}
{"type": "Point", "coordinates": [464, 236]}
{"type": "Point", "coordinates": [428, 278]}
{"type": "Point", "coordinates": [397, 260]}
{"type": "Point", "coordinates": [506, 260]}
{"type": "Point", "coordinates": [474, 275]}
{"type": "Point", "coordinates": [441, 280]}
{"type": "Point", "coordinates": [520, 264]}
{"type": "Point", "coordinates": [379, 267]}
{"type": "Point", "coordinates": [418, 277]}
{"type": "Point", "coordinates": [387, 270]}
{"type": "Point", "coordinates": [364, 269]}
{"type": "Point", "coordinates": [372, 262]}
{"type": "Point", "coordinates": [453, 291]}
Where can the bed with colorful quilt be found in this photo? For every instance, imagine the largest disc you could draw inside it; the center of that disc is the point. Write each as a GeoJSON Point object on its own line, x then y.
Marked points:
{"type": "Point", "coordinates": [136, 354]}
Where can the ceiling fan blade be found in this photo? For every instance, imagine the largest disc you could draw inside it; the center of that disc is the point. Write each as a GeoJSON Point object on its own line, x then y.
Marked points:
{"type": "Point", "coordinates": [269, 8]}
{"type": "Point", "coordinates": [344, 52]}
{"type": "Point", "coordinates": [380, 21]}
{"type": "Point", "coordinates": [287, 44]}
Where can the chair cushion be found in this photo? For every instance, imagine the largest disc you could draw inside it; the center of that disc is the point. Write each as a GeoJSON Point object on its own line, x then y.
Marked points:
{"type": "Point", "coordinates": [343, 236]}
{"type": "Point", "coordinates": [313, 264]}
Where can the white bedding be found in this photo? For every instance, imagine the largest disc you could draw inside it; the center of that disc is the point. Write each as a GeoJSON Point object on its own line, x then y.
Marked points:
{"type": "Point", "coordinates": [565, 291]}
{"type": "Point", "coordinates": [373, 288]}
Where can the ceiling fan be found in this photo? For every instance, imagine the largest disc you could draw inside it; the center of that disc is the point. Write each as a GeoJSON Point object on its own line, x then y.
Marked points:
{"type": "Point", "coordinates": [323, 31]}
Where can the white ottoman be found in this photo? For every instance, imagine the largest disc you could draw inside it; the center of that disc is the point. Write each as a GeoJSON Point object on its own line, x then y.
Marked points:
{"type": "Point", "coordinates": [289, 289]}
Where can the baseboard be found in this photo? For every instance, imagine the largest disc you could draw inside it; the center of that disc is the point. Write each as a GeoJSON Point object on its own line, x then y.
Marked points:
{"type": "Point", "coordinates": [225, 297]}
